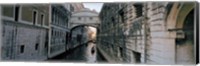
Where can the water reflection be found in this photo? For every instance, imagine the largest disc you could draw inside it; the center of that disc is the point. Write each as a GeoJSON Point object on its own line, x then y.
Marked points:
{"type": "Point", "coordinates": [90, 53]}
{"type": "Point", "coordinates": [83, 53]}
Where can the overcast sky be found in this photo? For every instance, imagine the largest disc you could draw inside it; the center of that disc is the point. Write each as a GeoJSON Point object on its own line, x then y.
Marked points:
{"type": "Point", "coordinates": [96, 6]}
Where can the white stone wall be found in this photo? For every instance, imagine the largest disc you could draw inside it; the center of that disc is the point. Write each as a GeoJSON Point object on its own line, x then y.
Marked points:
{"type": "Point", "coordinates": [59, 28]}
{"type": "Point", "coordinates": [38, 36]}
{"type": "Point", "coordinates": [161, 50]}
{"type": "Point", "coordinates": [7, 42]}
{"type": "Point", "coordinates": [58, 41]}
{"type": "Point", "coordinates": [16, 35]}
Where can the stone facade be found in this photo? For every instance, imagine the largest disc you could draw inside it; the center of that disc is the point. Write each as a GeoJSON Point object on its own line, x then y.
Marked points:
{"type": "Point", "coordinates": [152, 33]}
{"type": "Point", "coordinates": [24, 32]}
{"type": "Point", "coordinates": [126, 31]}
{"type": "Point", "coordinates": [169, 38]}
{"type": "Point", "coordinates": [84, 17]}
{"type": "Point", "coordinates": [59, 29]}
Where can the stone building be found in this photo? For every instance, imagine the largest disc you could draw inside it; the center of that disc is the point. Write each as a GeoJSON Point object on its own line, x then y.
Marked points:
{"type": "Point", "coordinates": [60, 16]}
{"type": "Point", "coordinates": [24, 32]}
{"type": "Point", "coordinates": [152, 33]}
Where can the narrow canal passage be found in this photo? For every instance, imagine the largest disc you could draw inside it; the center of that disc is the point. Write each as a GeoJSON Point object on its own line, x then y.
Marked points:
{"type": "Point", "coordinates": [83, 53]}
{"type": "Point", "coordinates": [80, 52]}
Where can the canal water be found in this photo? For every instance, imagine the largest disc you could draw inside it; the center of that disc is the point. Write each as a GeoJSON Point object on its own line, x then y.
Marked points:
{"type": "Point", "coordinates": [84, 53]}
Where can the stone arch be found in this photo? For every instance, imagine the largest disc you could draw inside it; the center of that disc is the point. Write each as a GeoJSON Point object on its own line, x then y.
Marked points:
{"type": "Point", "coordinates": [177, 21]}
{"type": "Point", "coordinates": [185, 44]}
{"type": "Point", "coordinates": [83, 26]}
{"type": "Point", "coordinates": [176, 24]}
{"type": "Point", "coordinates": [171, 18]}
{"type": "Point", "coordinates": [185, 9]}
{"type": "Point", "coordinates": [177, 15]}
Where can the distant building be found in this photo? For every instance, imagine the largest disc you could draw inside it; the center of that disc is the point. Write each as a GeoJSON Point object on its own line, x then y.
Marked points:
{"type": "Point", "coordinates": [24, 32]}
{"type": "Point", "coordinates": [77, 6]}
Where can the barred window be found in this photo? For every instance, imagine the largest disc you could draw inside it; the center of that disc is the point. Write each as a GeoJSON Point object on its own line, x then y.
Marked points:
{"type": "Point", "coordinates": [138, 8]}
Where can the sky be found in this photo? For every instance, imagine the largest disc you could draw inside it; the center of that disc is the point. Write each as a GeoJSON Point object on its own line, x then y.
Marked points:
{"type": "Point", "coordinates": [91, 6]}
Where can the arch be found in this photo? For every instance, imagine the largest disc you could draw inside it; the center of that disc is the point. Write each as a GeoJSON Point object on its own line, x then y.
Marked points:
{"type": "Point", "coordinates": [177, 15]}
{"type": "Point", "coordinates": [175, 24]}
{"type": "Point", "coordinates": [185, 46]}
{"type": "Point", "coordinates": [82, 25]}
{"type": "Point", "coordinates": [171, 19]}
{"type": "Point", "coordinates": [183, 12]}
{"type": "Point", "coordinates": [85, 37]}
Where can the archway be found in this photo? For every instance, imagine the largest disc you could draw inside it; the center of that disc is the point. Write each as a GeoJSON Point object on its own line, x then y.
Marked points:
{"type": "Point", "coordinates": [180, 23]}
{"type": "Point", "coordinates": [84, 25]}
{"type": "Point", "coordinates": [82, 34]}
{"type": "Point", "coordinates": [177, 15]}
{"type": "Point", "coordinates": [185, 45]}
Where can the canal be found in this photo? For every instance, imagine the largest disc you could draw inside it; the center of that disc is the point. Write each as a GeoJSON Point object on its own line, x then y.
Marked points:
{"type": "Point", "coordinates": [84, 53]}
